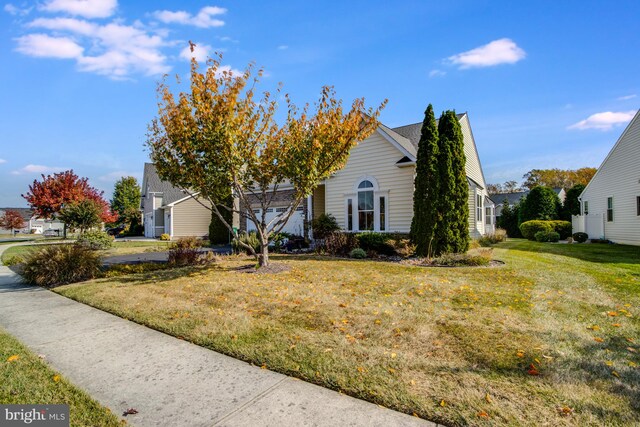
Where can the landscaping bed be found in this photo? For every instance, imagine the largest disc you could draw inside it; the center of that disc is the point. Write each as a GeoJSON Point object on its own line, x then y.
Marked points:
{"type": "Point", "coordinates": [551, 338]}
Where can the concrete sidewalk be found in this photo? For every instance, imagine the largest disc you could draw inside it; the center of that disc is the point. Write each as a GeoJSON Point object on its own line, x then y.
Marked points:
{"type": "Point", "coordinates": [169, 382]}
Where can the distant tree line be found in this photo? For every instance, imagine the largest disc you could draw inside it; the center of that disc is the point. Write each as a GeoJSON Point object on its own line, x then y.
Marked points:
{"type": "Point", "coordinates": [553, 178]}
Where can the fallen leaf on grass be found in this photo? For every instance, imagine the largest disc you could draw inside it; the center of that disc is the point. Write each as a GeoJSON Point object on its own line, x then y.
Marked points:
{"type": "Point", "coordinates": [616, 325]}
{"type": "Point", "coordinates": [594, 327]}
{"type": "Point", "coordinates": [615, 374]}
{"type": "Point", "coordinates": [482, 414]}
{"type": "Point", "coordinates": [598, 339]}
{"type": "Point", "coordinates": [533, 370]}
{"type": "Point", "coordinates": [632, 350]}
{"type": "Point", "coordinates": [487, 398]}
{"type": "Point", "coordinates": [56, 378]}
{"type": "Point", "coordinates": [612, 313]}
{"type": "Point", "coordinates": [565, 411]}
{"type": "Point", "coordinates": [13, 358]}
{"type": "Point", "coordinates": [443, 403]}
{"type": "Point", "coordinates": [520, 353]}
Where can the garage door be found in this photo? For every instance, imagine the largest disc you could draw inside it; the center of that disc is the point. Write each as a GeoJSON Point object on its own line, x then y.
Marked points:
{"type": "Point", "coordinates": [295, 225]}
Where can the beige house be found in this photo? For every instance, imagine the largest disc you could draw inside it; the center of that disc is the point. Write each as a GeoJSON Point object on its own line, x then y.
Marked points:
{"type": "Point", "coordinates": [374, 191]}
{"type": "Point", "coordinates": [169, 210]}
{"type": "Point", "coordinates": [610, 204]}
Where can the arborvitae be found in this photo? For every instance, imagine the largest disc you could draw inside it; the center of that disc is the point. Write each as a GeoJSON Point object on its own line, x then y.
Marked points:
{"type": "Point", "coordinates": [452, 233]}
{"type": "Point", "coordinates": [425, 193]}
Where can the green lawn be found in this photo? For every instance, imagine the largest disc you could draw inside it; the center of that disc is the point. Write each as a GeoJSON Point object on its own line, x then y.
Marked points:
{"type": "Point", "coordinates": [550, 338]}
{"type": "Point", "coordinates": [26, 379]}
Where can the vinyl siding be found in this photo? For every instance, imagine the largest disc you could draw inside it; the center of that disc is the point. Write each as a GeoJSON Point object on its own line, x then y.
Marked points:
{"type": "Point", "coordinates": [190, 218]}
{"type": "Point", "coordinates": [619, 177]}
{"type": "Point", "coordinates": [473, 166]}
{"type": "Point", "coordinates": [374, 157]}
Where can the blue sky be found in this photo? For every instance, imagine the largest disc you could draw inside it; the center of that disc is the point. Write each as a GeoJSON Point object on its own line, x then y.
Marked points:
{"type": "Point", "coordinates": [546, 84]}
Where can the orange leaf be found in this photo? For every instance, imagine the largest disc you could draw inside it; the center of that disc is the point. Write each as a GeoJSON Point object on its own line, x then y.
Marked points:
{"type": "Point", "coordinates": [520, 353]}
{"type": "Point", "coordinates": [532, 370]}
{"type": "Point", "coordinates": [612, 313]}
{"type": "Point", "coordinates": [598, 339]}
{"type": "Point", "coordinates": [482, 414]}
{"type": "Point", "coordinates": [616, 325]}
{"type": "Point", "coordinates": [13, 358]}
{"type": "Point", "coordinates": [565, 410]}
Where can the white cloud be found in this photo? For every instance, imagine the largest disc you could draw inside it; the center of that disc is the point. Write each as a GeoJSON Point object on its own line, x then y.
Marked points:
{"type": "Point", "coordinates": [228, 39]}
{"type": "Point", "coordinates": [203, 19]}
{"type": "Point", "coordinates": [226, 68]}
{"type": "Point", "coordinates": [605, 120]}
{"type": "Point", "coordinates": [283, 47]}
{"type": "Point", "coordinates": [627, 97]}
{"type": "Point", "coordinates": [502, 51]}
{"type": "Point", "coordinates": [436, 73]}
{"type": "Point", "coordinates": [15, 10]}
{"type": "Point", "coordinates": [45, 46]}
{"type": "Point", "coordinates": [200, 51]}
{"type": "Point", "coordinates": [85, 8]}
{"type": "Point", "coordinates": [30, 169]}
{"type": "Point", "coordinates": [117, 50]}
{"type": "Point", "coordinates": [2, 161]}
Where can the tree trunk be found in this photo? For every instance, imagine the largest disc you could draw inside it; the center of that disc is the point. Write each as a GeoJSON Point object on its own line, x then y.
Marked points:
{"type": "Point", "coordinates": [263, 256]}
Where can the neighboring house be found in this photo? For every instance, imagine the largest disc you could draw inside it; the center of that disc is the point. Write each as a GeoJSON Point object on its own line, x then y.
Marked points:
{"type": "Point", "coordinates": [610, 204]}
{"type": "Point", "coordinates": [170, 210]}
{"type": "Point", "coordinates": [374, 191]}
{"type": "Point", "coordinates": [33, 224]}
{"type": "Point", "coordinates": [515, 198]}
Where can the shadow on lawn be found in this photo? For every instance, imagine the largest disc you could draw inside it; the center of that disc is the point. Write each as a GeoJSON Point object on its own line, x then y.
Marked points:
{"type": "Point", "coordinates": [592, 252]}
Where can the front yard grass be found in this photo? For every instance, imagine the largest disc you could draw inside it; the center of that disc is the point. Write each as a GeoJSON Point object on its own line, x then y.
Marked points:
{"type": "Point", "coordinates": [25, 379]}
{"type": "Point", "coordinates": [551, 338]}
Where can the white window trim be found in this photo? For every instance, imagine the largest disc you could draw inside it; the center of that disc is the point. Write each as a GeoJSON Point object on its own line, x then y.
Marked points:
{"type": "Point", "coordinates": [479, 218]}
{"type": "Point", "coordinates": [606, 212]}
{"type": "Point", "coordinates": [376, 209]}
{"type": "Point", "coordinates": [585, 204]}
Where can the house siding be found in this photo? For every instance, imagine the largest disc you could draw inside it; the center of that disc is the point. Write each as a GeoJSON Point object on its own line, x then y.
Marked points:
{"type": "Point", "coordinates": [190, 218]}
{"type": "Point", "coordinates": [374, 157]}
{"type": "Point", "coordinates": [473, 166]}
{"type": "Point", "coordinates": [618, 177]}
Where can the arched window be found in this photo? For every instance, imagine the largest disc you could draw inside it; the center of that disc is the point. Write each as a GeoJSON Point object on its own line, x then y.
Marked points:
{"type": "Point", "coordinates": [365, 206]}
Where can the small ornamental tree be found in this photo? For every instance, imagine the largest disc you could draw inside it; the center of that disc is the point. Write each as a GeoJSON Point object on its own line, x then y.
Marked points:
{"type": "Point", "coordinates": [508, 219]}
{"type": "Point", "coordinates": [571, 205]}
{"type": "Point", "coordinates": [426, 215]}
{"type": "Point", "coordinates": [541, 203]}
{"type": "Point", "coordinates": [47, 197]}
{"type": "Point", "coordinates": [11, 220]}
{"type": "Point", "coordinates": [126, 201]}
{"type": "Point", "coordinates": [452, 232]}
{"type": "Point", "coordinates": [82, 215]}
{"type": "Point", "coordinates": [220, 135]}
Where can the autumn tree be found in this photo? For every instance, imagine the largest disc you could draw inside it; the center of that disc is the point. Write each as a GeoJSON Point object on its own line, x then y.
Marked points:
{"type": "Point", "coordinates": [507, 187]}
{"type": "Point", "coordinates": [219, 134]}
{"type": "Point", "coordinates": [558, 178]}
{"type": "Point", "coordinates": [126, 201]}
{"type": "Point", "coordinates": [426, 187]}
{"type": "Point", "coordinates": [47, 197]}
{"type": "Point", "coordinates": [82, 215]}
{"type": "Point", "coordinates": [452, 231]}
{"type": "Point", "coordinates": [11, 220]}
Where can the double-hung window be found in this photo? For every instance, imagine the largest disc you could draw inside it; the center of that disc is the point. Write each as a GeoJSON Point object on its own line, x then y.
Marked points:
{"type": "Point", "coordinates": [609, 209]}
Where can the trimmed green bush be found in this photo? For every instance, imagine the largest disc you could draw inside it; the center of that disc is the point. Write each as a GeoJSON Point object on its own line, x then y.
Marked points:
{"type": "Point", "coordinates": [358, 253]}
{"type": "Point", "coordinates": [376, 242]}
{"type": "Point", "coordinates": [530, 228]}
{"type": "Point", "coordinates": [95, 240]}
{"type": "Point", "coordinates": [580, 237]}
{"type": "Point", "coordinates": [184, 251]}
{"type": "Point", "coordinates": [55, 265]}
{"type": "Point", "coordinates": [563, 228]}
{"type": "Point", "coordinates": [323, 225]}
{"type": "Point", "coordinates": [542, 236]}
{"type": "Point", "coordinates": [554, 237]}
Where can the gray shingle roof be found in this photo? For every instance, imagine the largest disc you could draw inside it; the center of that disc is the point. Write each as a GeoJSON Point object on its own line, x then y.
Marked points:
{"type": "Point", "coordinates": [25, 213]}
{"type": "Point", "coordinates": [412, 132]}
{"type": "Point", "coordinates": [153, 184]}
{"type": "Point", "coordinates": [512, 198]}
